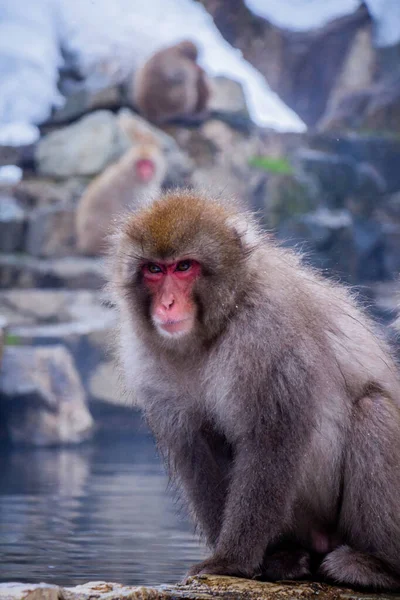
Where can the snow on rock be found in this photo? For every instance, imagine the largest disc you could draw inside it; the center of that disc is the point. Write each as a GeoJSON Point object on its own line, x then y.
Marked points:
{"type": "Point", "coordinates": [106, 40]}
{"type": "Point", "coordinates": [302, 15]}
{"type": "Point", "coordinates": [386, 14]}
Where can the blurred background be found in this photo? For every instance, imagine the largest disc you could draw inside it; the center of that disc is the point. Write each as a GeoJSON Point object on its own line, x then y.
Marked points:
{"type": "Point", "coordinates": [292, 106]}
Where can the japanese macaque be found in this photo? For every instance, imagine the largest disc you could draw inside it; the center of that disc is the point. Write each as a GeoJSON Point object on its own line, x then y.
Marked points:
{"type": "Point", "coordinates": [136, 176]}
{"type": "Point", "coordinates": [171, 85]}
{"type": "Point", "coordinates": [272, 396]}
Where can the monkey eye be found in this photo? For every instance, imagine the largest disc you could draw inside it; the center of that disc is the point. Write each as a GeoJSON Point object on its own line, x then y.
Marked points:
{"type": "Point", "coordinates": [153, 268]}
{"type": "Point", "coordinates": [183, 265]}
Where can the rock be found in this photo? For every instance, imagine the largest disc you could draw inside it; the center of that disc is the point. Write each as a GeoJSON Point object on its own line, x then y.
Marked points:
{"type": "Point", "coordinates": [356, 76]}
{"type": "Point", "coordinates": [387, 212]}
{"type": "Point", "coordinates": [38, 192]}
{"type": "Point", "coordinates": [89, 342]}
{"type": "Point", "coordinates": [3, 324]}
{"type": "Point", "coordinates": [286, 197]}
{"type": "Point", "coordinates": [51, 231]}
{"type": "Point", "coordinates": [226, 96]}
{"type": "Point", "coordinates": [385, 296]}
{"type": "Point", "coordinates": [16, 154]}
{"type": "Point", "coordinates": [84, 101]}
{"type": "Point", "coordinates": [293, 62]}
{"type": "Point", "coordinates": [347, 114]}
{"type": "Point", "coordinates": [205, 587]}
{"type": "Point", "coordinates": [376, 108]}
{"type": "Point", "coordinates": [80, 321]}
{"type": "Point", "coordinates": [49, 307]}
{"type": "Point", "coordinates": [348, 246]}
{"type": "Point", "coordinates": [368, 191]}
{"type": "Point", "coordinates": [383, 109]}
{"type": "Point", "coordinates": [23, 271]}
{"type": "Point", "coordinates": [335, 174]}
{"type": "Point", "coordinates": [380, 151]}
{"type": "Point", "coordinates": [82, 149]}
{"type": "Point", "coordinates": [12, 224]}
{"type": "Point", "coordinates": [43, 401]}
{"type": "Point", "coordinates": [221, 157]}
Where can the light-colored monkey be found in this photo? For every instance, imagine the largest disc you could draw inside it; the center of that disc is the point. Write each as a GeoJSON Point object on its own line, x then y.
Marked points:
{"type": "Point", "coordinates": [272, 396]}
{"type": "Point", "coordinates": [137, 176]}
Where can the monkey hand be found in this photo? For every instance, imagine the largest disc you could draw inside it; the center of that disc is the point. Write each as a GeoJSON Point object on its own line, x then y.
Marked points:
{"type": "Point", "coordinates": [217, 565]}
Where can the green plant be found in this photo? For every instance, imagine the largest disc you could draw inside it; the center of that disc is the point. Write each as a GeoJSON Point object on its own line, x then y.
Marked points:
{"type": "Point", "coordinates": [271, 164]}
{"type": "Point", "coordinates": [11, 340]}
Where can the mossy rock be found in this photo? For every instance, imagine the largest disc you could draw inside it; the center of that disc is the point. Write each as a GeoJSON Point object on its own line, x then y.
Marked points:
{"type": "Point", "coordinates": [288, 196]}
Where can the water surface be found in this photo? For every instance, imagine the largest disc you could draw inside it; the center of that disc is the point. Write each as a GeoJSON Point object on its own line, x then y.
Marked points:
{"type": "Point", "coordinates": [97, 512]}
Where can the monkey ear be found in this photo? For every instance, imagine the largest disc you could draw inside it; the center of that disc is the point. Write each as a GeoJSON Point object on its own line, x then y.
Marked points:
{"type": "Point", "coordinates": [246, 230]}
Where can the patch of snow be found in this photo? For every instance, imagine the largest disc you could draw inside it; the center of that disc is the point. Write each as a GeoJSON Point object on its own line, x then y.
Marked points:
{"type": "Point", "coordinates": [18, 134]}
{"type": "Point", "coordinates": [10, 174]}
{"type": "Point", "coordinates": [29, 61]}
{"type": "Point", "coordinates": [386, 14]}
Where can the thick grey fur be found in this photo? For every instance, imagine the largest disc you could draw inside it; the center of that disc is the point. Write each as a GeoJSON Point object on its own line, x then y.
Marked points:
{"type": "Point", "coordinates": [279, 415]}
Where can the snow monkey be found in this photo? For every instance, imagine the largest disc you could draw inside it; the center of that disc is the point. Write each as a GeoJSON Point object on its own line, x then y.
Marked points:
{"type": "Point", "coordinates": [171, 85]}
{"type": "Point", "coordinates": [273, 398]}
{"type": "Point", "coordinates": [138, 174]}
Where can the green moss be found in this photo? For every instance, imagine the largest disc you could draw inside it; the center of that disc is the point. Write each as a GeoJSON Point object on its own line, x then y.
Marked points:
{"type": "Point", "coordinates": [11, 340]}
{"type": "Point", "coordinates": [271, 164]}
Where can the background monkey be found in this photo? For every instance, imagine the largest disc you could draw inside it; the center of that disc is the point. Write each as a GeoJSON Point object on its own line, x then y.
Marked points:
{"type": "Point", "coordinates": [171, 84]}
{"type": "Point", "coordinates": [272, 397]}
{"type": "Point", "coordinates": [138, 174]}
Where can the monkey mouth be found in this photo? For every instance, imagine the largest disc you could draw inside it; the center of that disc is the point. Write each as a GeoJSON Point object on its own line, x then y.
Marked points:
{"type": "Point", "coordinates": [173, 327]}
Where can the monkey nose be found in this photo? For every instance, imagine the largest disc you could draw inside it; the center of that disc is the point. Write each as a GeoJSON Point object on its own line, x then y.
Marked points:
{"type": "Point", "coordinates": [168, 302]}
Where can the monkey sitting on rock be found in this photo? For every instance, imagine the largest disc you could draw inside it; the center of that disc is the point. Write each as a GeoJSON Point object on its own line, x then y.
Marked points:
{"type": "Point", "coordinates": [171, 85]}
{"type": "Point", "coordinates": [273, 398]}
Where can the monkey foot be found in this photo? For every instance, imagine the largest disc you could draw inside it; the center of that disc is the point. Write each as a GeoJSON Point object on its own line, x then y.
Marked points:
{"type": "Point", "coordinates": [293, 564]}
{"type": "Point", "coordinates": [221, 566]}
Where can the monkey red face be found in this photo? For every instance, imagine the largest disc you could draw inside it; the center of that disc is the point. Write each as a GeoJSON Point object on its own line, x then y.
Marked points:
{"type": "Point", "coordinates": [145, 169]}
{"type": "Point", "coordinates": [173, 310]}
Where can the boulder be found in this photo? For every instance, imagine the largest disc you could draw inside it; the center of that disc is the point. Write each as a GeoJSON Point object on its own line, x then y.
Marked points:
{"type": "Point", "coordinates": [42, 399]}
{"type": "Point", "coordinates": [82, 322]}
{"type": "Point", "coordinates": [82, 149]}
{"type": "Point", "coordinates": [84, 101]}
{"type": "Point", "coordinates": [89, 342]}
{"type": "Point", "coordinates": [23, 271]}
{"type": "Point", "coordinates": [12, 224]}
{"type": "Point", "coordinates": [79, 320]}
{"type": "Point", "coordinates": [227, 96]}
{"type": "Point", "coordinates": [51, 231]}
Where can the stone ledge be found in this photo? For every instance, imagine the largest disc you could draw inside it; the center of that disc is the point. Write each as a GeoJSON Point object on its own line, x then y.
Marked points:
{"type": "Point", "coordinates": [197, 588]}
